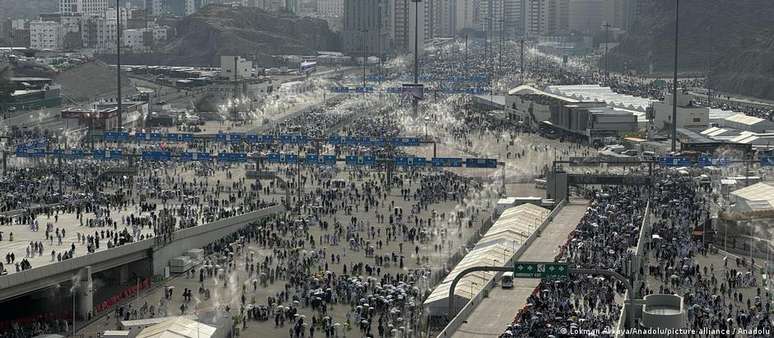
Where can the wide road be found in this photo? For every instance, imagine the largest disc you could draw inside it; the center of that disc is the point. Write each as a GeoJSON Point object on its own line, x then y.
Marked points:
{"type": "Point", "coordinates": [496, 311]}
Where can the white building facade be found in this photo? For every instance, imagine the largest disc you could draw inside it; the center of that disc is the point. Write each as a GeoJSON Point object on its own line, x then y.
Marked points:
{"type": "Point", "coordinates": [46, 35]}
{"type": "Point", "coordinates": [84, 7]}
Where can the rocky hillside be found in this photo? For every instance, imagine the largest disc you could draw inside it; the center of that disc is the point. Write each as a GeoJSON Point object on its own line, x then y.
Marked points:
{"type": "Point", "coordinates": [735, 37]}
{"type": "Point", "coordinates": [222, 30]}
{"type": "Point", "coordinates": [26, 8]}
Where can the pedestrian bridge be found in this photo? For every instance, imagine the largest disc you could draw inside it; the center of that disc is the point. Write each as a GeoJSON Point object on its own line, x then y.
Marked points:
{"type": "Point", "coordinates": [23, 282]}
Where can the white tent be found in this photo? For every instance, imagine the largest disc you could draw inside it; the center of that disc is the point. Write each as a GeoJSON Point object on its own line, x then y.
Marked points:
{"type": "Point", "coordinates": [757, 197]}
{"type": "Point", "coordinates": [496, 248]}
{"type": "Point", "coordinates": [178, 328]}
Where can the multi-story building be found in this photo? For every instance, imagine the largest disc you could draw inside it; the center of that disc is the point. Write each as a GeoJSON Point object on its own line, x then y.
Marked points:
{"type": "Point", "coordinates": [443, 18]}
{"type": "Point", "coordinates": [105, 30]}
{"type": "Point", "coordinates": [558, 17]}
{"type": "Point", "coordinates": [330, 8]}
{"type": "Point", "coordinates": [83, 7]}
{"type": "Point", "coordinates": [19, 32]}
{"type": "Point", "coordinates": [144, 39]}
{"type": "Point", "coordinates": [136, 40]}
{"type": "Point", "coordinates": [154, 7]}
{"type": "Point", "coordinates": [364, 30]}
{"type": "Point", "coordinates": [465, 14]}
{"type": "Point", "coordinates": [46, 35]}
{"type": "Point", "coordinates": [266, 5]}
{"type": "Point", "coordinates": [546, 17]}
{"type": "Point", "coordinates": [191, 6]}
{"type": "Point", "coordinates": [406, 16]}
{"type": "Point", "coordinates": [491, 15]}
{"type": "Point", "coordinates": [235, 68]}
{"type": "Point", "coordinates": [513, 18]}
{"type": "Point", "coordinates": [293, 6]}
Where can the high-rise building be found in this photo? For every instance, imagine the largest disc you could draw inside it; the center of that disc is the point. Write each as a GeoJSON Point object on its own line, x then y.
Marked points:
{"type": "Point", "coordinates": [513, 18]}
{"type": "Point", "coordinates": [266, 5]}
{"type": "Point", "coordinates": [105, 30]}
{"type": "Point", "coordinates": [465, 14]}
{"type": "Point", "coordinates": [502, 17]}
{"type": "Point", "coordinates": [292, 6]}
{"type": "Point", "coordinates": [491, 16]}
{"type": "Point", "coordinates": [587, 16]}
{"type": "Point", "coordinates": [330, 8]}
{"type": "Point", "coordinates": [407, 15]}
{"type": "Point", "coordinates": [191, 6]}
{"type": "Point", "coordinates": [443, 18]}
{"type": "Point", "coordinates": [84, 7]}
{"type": "Point", "coordinates": [558, 17]}
{"type": "Point", "coordinates": [546, 17]}
{"type": "Point", "coordinates": [364, 27]}
{"type": "Point", "coordinates": [154, 7]}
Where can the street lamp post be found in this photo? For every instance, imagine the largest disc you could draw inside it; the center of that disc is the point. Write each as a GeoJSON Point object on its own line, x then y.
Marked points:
{"type": "Point", "coordinates": [73, 293]}
{"type": "Point", "coordinates": [118, 62]}
{"type": "Point", "coordinates": [415, 102]}
{"type": "Point", "coordinates": [365, 59]}
{"type": "Point", "coordinates": [607, 57]}
{"type": "Point", "coordinates": [674, 79]}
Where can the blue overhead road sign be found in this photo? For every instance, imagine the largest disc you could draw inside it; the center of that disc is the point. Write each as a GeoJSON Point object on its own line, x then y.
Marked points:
{"type": "Point", "coordinates": [480, 163]}
{"type": "Point", "coordinates": [452, 162]}
{"type": "Point", "coordinates": [156, 155]}
{"type": "Point", "coordinates": [195, 157]}
{"type": "Point", "coordinates": [669, 161]}
{"type": "Point", "coordinates": [410, 161]}
{"type": "Point", "coordinates": [366, 160]}
{"type": "Point", "coordinates": [116, 136]}
{"type": "Point", "coordinates": [30, 152]}
{"type": "Point", "coordinates": [106, 155]}
{"type": "Point", "coordinates": [69, 153]}
{"type": "Point", "coordinates": [232, 157]}
{"type": "Point", "coordinates": [147, 137]}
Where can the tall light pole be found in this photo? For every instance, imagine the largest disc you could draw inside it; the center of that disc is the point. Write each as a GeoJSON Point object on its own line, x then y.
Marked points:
{"type": "Point", "coordinates": [607, 42]}
{"type": "Point", "coordinates": [674, 80]}
{"type": "Point", "coordinates": [365, 59]}
{"type": "Point", "coordinates": [118, 62]}
{"type": "Point", "coordinates": [415, 102]}
{"type": "Point", "coordinates": [521, 60]}
{"type": "Point", "coordinates": [709, 69]}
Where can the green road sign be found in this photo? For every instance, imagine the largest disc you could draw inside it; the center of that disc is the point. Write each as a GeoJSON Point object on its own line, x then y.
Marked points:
{"type": "Point", "coordinates": [540, 270]}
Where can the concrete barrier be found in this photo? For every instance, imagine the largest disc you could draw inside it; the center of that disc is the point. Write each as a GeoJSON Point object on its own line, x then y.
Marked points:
{"type": "Point", "coordinates": [19, 283]}
{"type": "Point", "coordinates": [200, 236]}
{"type": "Point", "coordinates": [465, 312]}
{"type": "Point", "coordinates": [22, 282]}
{"type": "Point", "coordinates": [630, 312]}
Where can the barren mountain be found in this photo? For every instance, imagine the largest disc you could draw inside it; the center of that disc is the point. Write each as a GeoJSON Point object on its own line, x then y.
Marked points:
{"type": "Point", "coordinates": [224, 30]}
{"type": "Point", "coordinates": [732, 38]}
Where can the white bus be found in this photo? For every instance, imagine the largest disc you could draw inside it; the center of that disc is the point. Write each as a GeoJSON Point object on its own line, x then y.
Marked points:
{"type": "Point", "coordinates": [506, 281]}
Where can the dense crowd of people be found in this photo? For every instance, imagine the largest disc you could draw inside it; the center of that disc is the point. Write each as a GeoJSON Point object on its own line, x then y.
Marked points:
{"type": "Point", "coordinates": [361, 247]}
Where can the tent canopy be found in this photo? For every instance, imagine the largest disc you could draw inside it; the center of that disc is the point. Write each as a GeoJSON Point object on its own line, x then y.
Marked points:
{"type": "Point", "coordinates": [177, 328]}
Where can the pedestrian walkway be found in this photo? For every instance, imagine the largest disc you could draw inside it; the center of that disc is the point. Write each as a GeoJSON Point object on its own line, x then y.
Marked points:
{"type": "Point", "coordinates": [496, 311]}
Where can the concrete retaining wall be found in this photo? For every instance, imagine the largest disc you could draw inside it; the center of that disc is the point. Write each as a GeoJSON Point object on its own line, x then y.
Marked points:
{"type": "Point", "coordinates": [30, 280]}
{"type": "Point", "coordinates": [19, 283]}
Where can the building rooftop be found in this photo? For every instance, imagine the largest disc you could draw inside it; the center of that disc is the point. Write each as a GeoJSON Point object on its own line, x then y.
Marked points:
{"type": "Point", "coordinates": [759, 196]}
{"type": "Point", "coordinates": [604, 94]}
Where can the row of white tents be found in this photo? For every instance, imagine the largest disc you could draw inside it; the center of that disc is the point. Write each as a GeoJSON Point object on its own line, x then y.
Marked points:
{"type": "Point", "coordinates": [497, 248]}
